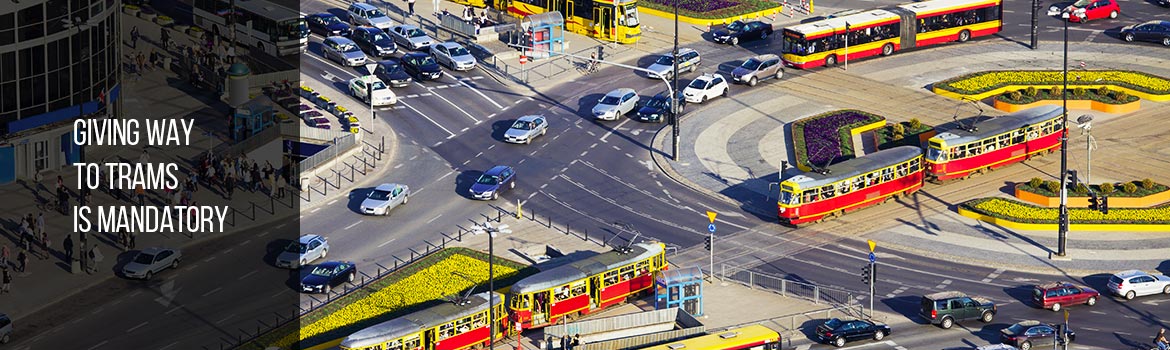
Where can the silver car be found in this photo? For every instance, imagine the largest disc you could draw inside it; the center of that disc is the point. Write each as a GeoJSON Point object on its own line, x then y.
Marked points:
{"type": "Point", "coordinates": [1134, 283]}
{"type": "Point", "coordinates": [526, 128]}
{"type": "Point", "coordinates": [410, 36]}
{"type": "Point", "coordinates": [453, 55]}
{"type": "Point", "coordinates": [384, 198]}
{"type": "Point", "coordinates": [664, 67]}
{"type": "Point", "coordinates": [616, 103]}
{"type": "Point", "coordinates": [368, 15]}
{"type": "Point", "coordinates": [5, 329]}
{"type": "Point", "coordinates": [150, 261]}
{"type": "Point", "coordinates": [343, 51]}
{"type": "Point", "coordinates": [305, 250]}
{"type": "Point", "coordinates": [758, 68]}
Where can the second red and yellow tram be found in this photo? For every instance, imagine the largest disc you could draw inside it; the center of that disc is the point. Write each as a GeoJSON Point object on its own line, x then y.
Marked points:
{"type": "Point", "coordinates": [850, 185]}
{"type": "Point", "coordinates": [994, 143]}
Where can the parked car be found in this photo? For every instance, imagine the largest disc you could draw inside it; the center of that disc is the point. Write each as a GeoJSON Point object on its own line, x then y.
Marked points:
{"type": "Point", "coordinates": [5, 329]}
{"type": "Point", "coordinates": [616, 103]}
{"type": "Point", "coordinates": [453, 55]}
{"type": "Point", "coordinates": [372, 90]}
{"type": "Point", "coordinates": [422, 66]}
{"type": "Point", "coordinates": [758, 68]}
{"type": "Point", "coordinates": [150, 261]}
{"type": "Point", "coordinates": [326, 24]}
{"type": "Point", "coordinates": [343, 51]}
{"type": "Point", "coordinates": [526, 128]}
{"type": "Point", "coordinates": [391, 72]}
{"type": "Point", "coordinates": [305, 250]}
{"type": "Point", "coordinates": [497, 179]}
{"type": "Point", "coordinates": [837, 332]}
{"type": "Point", "coordinates": [1087, 10]}
{"type": "Point", "coordinates": [367, 15]}
{"type": "Point", "coordinates": [1156, 31]}
{"type": "Point", "coordinates": [384, 198]}
{"type": "Point", "coordinates": [742, 31]}
{"type": "Point", "coordinates": [658, 107]}
{"type": "Point", "coordinates": [1028, 334]}
{"type": "Point", "coordinates": [663, 67]}
{"type": "Point", "coordinates": [1055, 295]}
{"type": "Point", "coordinates": [1134, 283]}
{"type": "Point", "coordinates": [705, 87]}
{"type": "Point", "coordinates": [327, 275]}
{"type": "Point", "coordinates": [411, 36]}
{"type": "Point", "coordinates": [946, 308]}
{"type": "Point", "coordinates": [374, 41]}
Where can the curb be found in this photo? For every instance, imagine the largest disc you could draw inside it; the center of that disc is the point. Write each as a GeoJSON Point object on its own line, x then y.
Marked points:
{"type": "Point", "coordinates": [663, 165]}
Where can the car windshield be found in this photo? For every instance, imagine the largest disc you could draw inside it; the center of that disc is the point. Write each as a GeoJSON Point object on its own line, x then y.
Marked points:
{"type": "Point", "coordinates": [380, 195]}
{"type": "Point", "coordinates": [611, 100]}
{"type": "Point", "coordinates": [380, 36]}
{"type": "Point", "coordinates": [296, 247]}
{"type": "Point", "coordinates": [698, 84]}
{"type": "Point", "coordinates": [347, 48]}
{"type": "Point", "coordinates": [416, 33]}
{"type": "Point", "coordinates": [658, 102]}
{"type": "Point", "coordinates": [487, 180]}
{"type": "Point", "coordinates": [321, 271]}
{"type": "Point", "coordinates": [391, 67]}
{"type": "Point", "coordinates": [522, 125]}
{"type": "Point", "coordinates": [751, 64]}
{"type": "Point", "coordinates": [735, 26]}
{"type": "Point", "coordinates": [330, 20]}
{"type": "Point", "coordinates": [375, 13]}
{"type": "Point", "coordinates": [144, 258]}
{"type": "Point", "coordinates": [1115, 280]}
{"type": "Point", "coordinates": [833, 323]}
{"type": "Point", "coordinates": [665, 60]}
{"type": "Point", "coordinates": [459, 51]}
{"type": "Point", "coordinates": [425, 61]}
{"type": "Point", "coordinates": [1082, 3]}
{"type": "Point", "coordinates": [1016, 329]}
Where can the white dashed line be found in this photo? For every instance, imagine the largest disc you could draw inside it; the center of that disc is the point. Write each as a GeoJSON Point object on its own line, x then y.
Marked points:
{"type": "Point", "coordinates": [465, 129]}
{"type": "Point", "coordinates": [434, 218]}
{"type": "Point", "coordinates": [594, 145]}
{"type": "Point", "coordinates": [629, 155]}
{"type": "Point", "coordinates": [522, 161]}
{"type": "Point", "coordinates": [398, 166]}
{"type": "Point", "coordinates": [478, 154]}
{"type": "Point", "coordinates": [244, 243]}
{"type": "Point", "coordinates": [616, 148]}
{"type": "Point", "coordinates": [584, 153]}
{"type": "Point", "coordinates": [168, 346]}
{"type": "Point", "coordinates": [241, 278]}
{"type": "Point", "coordinates": [99, 344]}
{"type": "Point", "coordinates": [225, 318]}
{"type": "Point", "coordinates": [262, 234]}
{"type": "Point", "coordinates": [331, 202]}
{"type": "Point", "coordinates": [352, 225]}
{"type": "Point", "coordinates": [590, 133]}
{"type": "Point", "coordinates": [543, 186]}
{"type": "Point", "coordinates": [491, 115]}
{"type": "Point", "coordinates": [140, 325]}
{"type": "Point", "coordinates": [385, 243]}
{"type": "Point", "coordinates": [212, 291]}
{"type": "Point", "coordinates": [314, 210]}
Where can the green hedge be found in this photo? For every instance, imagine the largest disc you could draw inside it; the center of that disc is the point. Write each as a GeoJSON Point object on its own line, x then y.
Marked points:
{"type": "Point", "coordinates": [981, 82]}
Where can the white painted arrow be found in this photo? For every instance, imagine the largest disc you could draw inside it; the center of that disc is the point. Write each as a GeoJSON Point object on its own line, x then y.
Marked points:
{"type": "Point", "coordinates": [168, 292]}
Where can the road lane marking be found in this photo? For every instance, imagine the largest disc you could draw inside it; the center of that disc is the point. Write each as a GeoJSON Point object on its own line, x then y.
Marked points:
{"type": "Point", "coordinates": [434, 218]}
{"type": "Point", "coordinates": [521, 161]}
{"type": "Point", "coordinates": [477, 92]}
{"type": "Point", "coordinates": [244, 243]}
{"type": "Point", "coordinates": [398, 166]}
{"type": "Point", "coordinates": [98, 345]}
{"type": "Point", "coordinates": [281, 225]}
{"type": "Point", "coordinates": [594, 145]}
{"type": "Point", "coordinates": [478, 154]}
{"type": "Point", "coordinates": [464, 129]}
{"type": "Point", "coordinates": [385, 243]}
{"type": "Point", "coordinates": [431, 120]}
{"type": "Point", "coordinates": [993, 275]}
{"type": "Point", "coordinates": [168, 346]}
{"type": "Point", "coordinates": [247, 274]}
{"type": "Point", "coordinates": [457, 107]}
{"type": "Point", "coordinates": [490, 116]}
{"type": "Point", "coordinates": [610, 132]}
{"type": "Point", "coordinates": [584, 153]}
{"type": "Point", "coordinates": [172, 310]}
{"type": "Point", "coordinates": [140, 325]}
{"type": "Point", "coordinates": [314, 210]}
{"type": "Point", "coordinates": [213, 291]}
{"type": "Point", "coordinates": [266, 232]}
{"type": "Point", "coordinates": [331, 202]}
{"type": "Point", "coordinates": [225, 318]}
{"type": "Point", "coordinates": [352, 225]}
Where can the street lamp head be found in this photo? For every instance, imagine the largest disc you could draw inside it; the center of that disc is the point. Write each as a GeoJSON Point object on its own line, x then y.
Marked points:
{"type": "Point", "coordinates": [1064, 15]}
{"type": "Point", "coordinates": [1084, 119]}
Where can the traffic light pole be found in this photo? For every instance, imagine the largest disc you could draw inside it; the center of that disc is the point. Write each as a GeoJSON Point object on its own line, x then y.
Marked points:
{"type": "Point", "coordinates": [869, 276]}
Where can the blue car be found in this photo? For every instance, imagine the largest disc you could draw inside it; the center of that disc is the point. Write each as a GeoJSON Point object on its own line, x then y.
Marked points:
{"type": "Point", "coordinates": [374, 41]}
{"type": "Point", "coordinates": [492, 182]}
{"type": "Point", "coordinates": [326, 24]}
{"type": "Point", "coordinates": [322, 278]}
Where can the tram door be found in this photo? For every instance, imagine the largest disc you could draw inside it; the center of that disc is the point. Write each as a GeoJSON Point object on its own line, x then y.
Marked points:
{"type": "Point", "coordinates": [429, 339]}
{"type": "Point", "coordinates": [603, 21]}
{"type": "Point", "coordinates": [540, 307]}
{"type": "Point", "coordinates": [594, 291]}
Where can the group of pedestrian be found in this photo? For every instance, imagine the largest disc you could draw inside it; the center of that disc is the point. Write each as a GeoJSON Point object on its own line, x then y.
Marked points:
{"type": "Point", "coordinates": [570, 343]}
{"type": "Point", "coordinates": [33, 237]}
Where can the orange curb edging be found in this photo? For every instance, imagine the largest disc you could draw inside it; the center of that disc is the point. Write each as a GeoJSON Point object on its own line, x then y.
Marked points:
{"type": "Point", "coordinates": [1071, 227]}
{"type": "Point", "coordinates": [1114, 202]}
{"type": "Point", "coordinates": [1072, 104]}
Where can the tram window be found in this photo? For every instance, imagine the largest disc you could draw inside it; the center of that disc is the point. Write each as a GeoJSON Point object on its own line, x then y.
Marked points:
{"type": "Point", "coordinates": [413, 343]}
{"type": "Point", "coordinates": [627, 272]}
{"type": "Point", "coordinates": [583, 9]}
{"type": "Point", "coordinates": [446, 330]}
{"type": "Point", "coordinates": [1018, 136]}
{"type": "Point", "coordinates": [578, 289]}
{"type": "Point", "coordinates": [810, 196]}
{"type": "Point", "coordinates": [463, 325]}
{"type": "Point", "coordinates": [887, 175]}
{"type": "Point", "coordinates": [858, 183]}
{"type": "Point", "coordinates": [902, 170]}
{"type": "Point", "coordinates": [643, 267]}
{"type": "Point", "coordinates": [843, 187]}
{"type": "Point", "coordinates": [914, 164]}
{"type": "Point", "coordinates": [395, 344]}
{"type": "Point", "coordinates": [611, 278]}
{"type": "Point", "coordinates": [478, 320]}
{"type": "Point", "coordinates": [828, 192]}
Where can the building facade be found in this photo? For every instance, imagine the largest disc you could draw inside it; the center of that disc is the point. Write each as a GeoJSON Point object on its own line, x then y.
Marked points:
{"type": "Point", "coordinates": [58, 62]}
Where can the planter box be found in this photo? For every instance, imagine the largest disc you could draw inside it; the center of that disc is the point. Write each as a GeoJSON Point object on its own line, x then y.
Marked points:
{"type": "Point", "coordinates": [1114, 202]}
{"type": "Point", "coordinates": [1073, 104]}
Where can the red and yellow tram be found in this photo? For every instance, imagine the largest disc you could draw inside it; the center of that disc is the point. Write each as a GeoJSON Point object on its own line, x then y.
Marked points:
{"type": "Point", "coordinates": [851, 185]}
{"type": "Point", "coordinates": [449, 326]}
{"type": "Point", "coordinates": [994, 143]}
{"type": "Point", "coordinates": [586, 285]}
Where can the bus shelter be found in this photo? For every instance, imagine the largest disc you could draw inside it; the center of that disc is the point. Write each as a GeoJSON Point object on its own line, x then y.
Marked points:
{"type": "Point", "coordinates": [252, 118]}
{"type": "Point", "coordinates": [545, 33]}
{"type": "Point", "coordinates": [681, 288]}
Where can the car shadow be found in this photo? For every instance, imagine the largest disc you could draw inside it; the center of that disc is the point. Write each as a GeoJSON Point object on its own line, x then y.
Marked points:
{"type": "Point", "coordinates": [1099, 282]}
{"type": "Point", "coordinates": [120, 261]}
{"type": "Point", "coordinates": [340, 13]}
{"type": "Point", "coordinates": [356, 196]}
{"type": "Point", "coordinates": [908, 306]}
{"type": "Point", "coordinates": [500, 127]}
{"type": "Point", "coordinates": [273, 249]}
{"type": "Point", "coordinates": [989, 332]}
{"type": "Point", "coordinates": [585, 105]}
{"type": "Point", "coordinates": [809, 329]}
{"type": "Point", "coordinates": [464, 181]}
{"type": "Point", "coordinates": [1023, 294]}
{"type": "Point", "coordinates": [725, 68]}
{"type": "Point", "coordinates": [296, 275]}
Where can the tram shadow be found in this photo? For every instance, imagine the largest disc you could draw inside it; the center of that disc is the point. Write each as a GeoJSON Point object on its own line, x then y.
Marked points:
{"type": "Point", "coordinates": [908, 306]}
{"type": "Point", "coordinates": [755, 194]}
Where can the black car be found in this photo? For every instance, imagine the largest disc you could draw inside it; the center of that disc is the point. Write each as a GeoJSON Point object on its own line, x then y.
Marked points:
{"type": "Point", "coordinates": [837, 332]}
{"type": "Point", "coordinates": [391, 72]}
{"type": "Point", "coordinates": [739, 31]}
{"type": "Point", "coordinates": [1028, 334]}
{"type": "Point", "coordinates": [657, 108]}
{"type": "Point", "coordinates": [374, 41]}
{"type": "Point", "coordinates": [1164, 3]}
{"type": "Point", "coordinates": [421, 65]}
{"type": "Point", "coordinates": [1156, 31]}
{"type": "Point", "coordinates": [322, 278]}
{"type": "Point", "coordinates": [326, 24]}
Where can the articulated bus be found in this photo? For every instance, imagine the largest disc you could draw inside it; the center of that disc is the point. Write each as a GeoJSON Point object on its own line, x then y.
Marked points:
{"type": "Point", "coordinates": [994, 143]}
{"type": "Point", "coordinates": [754, 337]}
{"type": "Point", "coordinates": [448, 326]}
{"type": "Point", "coordinates": [271, 28]}
{"type": "Point", "coordinates": [605, 20]}
{"type": "Point", "coordinates": [586, 285]}
{"type": "Point", "coordinates": [884, 31]}
{"type": "Point", "coordinates": [850, 185]}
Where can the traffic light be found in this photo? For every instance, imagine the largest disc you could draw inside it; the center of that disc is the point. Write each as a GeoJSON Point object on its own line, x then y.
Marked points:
{"type": "Point", "coordinates": [1104, 204]}
{"type": "Point", "coordinates": [708, 240]}
{"type": "Point", "coordinates": [1093, 203]}
{"type": "Point", "coordinates": [865, 274]}
{"type": "Point", "coordinates": [1072, 178]}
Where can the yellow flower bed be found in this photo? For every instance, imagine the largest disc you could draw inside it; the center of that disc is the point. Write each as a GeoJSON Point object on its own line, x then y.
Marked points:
{"type": "Point", "coordinates": [1026, 213]}
{"type": "Point", "coordinates": [976, 83]}
{"type": "Point", "coordinates": [451, 275]}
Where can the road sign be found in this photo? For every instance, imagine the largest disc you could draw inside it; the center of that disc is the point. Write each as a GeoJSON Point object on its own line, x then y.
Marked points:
{"type": "Point", "coordinates": [523, 59]}
{"type": "Point", "coordinates": [872, 258]}
{"type": "Point", "coordinates": [711, 228]}
{"type": "Point", "coordinates": [872, 245]}
{"type": "Point", "coordinates": [711, 215]}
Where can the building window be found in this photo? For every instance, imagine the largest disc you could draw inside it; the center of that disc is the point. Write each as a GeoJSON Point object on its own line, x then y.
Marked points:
{"type": "Point", "coordinates": [32, 22]}
{"type": "Point", "coordinates": [7, 29]}
{"type": "Point", "coordinates": [40, 155]}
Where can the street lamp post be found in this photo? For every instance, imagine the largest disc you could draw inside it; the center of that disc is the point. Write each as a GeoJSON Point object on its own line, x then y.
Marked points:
{"type": "Point", "coordinates": [1062, 229]}
{"type": "Point", "coordinates": [75, 26]}
{"type": "Point", "coordinates": [674, 154]}
{"type": "Point", "coordinates": [491, 231]}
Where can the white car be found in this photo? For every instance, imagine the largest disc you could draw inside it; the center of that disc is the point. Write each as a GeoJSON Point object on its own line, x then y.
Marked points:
{"type": "Point", "coordinates": [382, 94]}
{"type": "Point", "coordinates": [384, 198]}
{"type": "Point", "coordinates": [526, 128]}
{"type": "Point", "coordinates": [705, 87]}
{"type": "Point", "coordinates": [615, 104]}
{"type": "Point", "coordinates": [305, 250]}
{"type": "Point", "coordinates": [453, 55]}
{"type": "Point", "coordinates": [1133, 283]}
{"type": "Point", "coordinates": [368, 15]}
{"type": "Point", "coordinates": [663, 67]}
{"type": "Point", "coordinates": [150, 261]}
{"type": "Point", "coordinates": [411, 36]}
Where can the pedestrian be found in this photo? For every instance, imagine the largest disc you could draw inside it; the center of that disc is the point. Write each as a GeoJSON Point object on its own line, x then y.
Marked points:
{"type": "Point", "coordinates": [1160, 340]}
{"type": "Point", "coordinates": [134, 37]}
{"type": "Point", "coordinates": [95, 257]}
{"type": "Point", "coordinates": [576, 342]}
{"type": "Point", "coordinates": [133, 237]}
{"type": "Point", "coordinates": [25, 233]}
{"type": "Point", "coordinates": [41, 223]}
{"type": "Point", "coordinates": [62, 201]}
{"type": "Point", "coordinates": [48, 245]}
{"type": "Point", "coordinates": [468, 13]}
{"type": "Point", "coordinates": [5, 254]}
{"type": "Point", "coordinates": [7, 281]}
{"type": "Point", "coordinates": [22, 259]}
{"type": "Point", "coordinates": [86, 196]}
{"type": "Point", "coordinates": [141, 193]}
{"type": "Point", "coordinates": [69, 249]}
{"type": "Point", "coordinates": [164, 37]}
{"type": "Point", "coordinates": [410, 6]}
{"type": "Point", "coordinates": [60, 182]}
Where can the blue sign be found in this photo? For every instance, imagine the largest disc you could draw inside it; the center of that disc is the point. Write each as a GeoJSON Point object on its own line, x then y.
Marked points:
{"type": "Point", "coordinates": [711, 228]}
{"type": "Point", "coordinates": [872, 258]}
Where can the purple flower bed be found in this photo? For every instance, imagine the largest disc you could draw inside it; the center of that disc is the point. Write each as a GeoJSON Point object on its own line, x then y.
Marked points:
{"type": "Point", "coordinates": [825, 139]}
{"type": "Point", "coordinates": [710, 9]}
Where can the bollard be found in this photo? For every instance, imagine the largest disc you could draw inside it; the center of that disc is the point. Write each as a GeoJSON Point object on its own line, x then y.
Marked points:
{"type": "Point", "coordinates": [253, 211]}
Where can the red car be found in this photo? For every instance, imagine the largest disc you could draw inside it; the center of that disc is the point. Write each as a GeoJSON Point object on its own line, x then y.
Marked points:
{"type": "Point", "coordinates": [1086, 10]}
{"type": "Point", "coordinates": [1054, 295]}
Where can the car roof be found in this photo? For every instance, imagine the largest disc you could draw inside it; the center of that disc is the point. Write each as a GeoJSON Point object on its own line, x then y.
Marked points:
{"type": "Point", "coordinates": [394, 60]}
{"type": "Point", "coordinates": [340, 39]}
{"type": "Point", "coordinates": [765, 57]}
{"type": "Point", "coordinates": [407, 26]}
{"type": "Point", "coordinates": [154, 250]}
{"type": "Point", "coordinates": [1029, 323]}
{"type": "Point", "coordinates": [333, 263]}
{"type": "Point", "coordinates": [368, 79]}
{"type": "Point", "coordinates": [323, 14]}
{"type": "Point", "coordinates": [415, 54]}
{"type": "Point", "coordinates": [619, 92]}
{"type": "Point", "coordinates": [945, 295]}
{"type": "Point", "coordinates": [1051, 285]}
{"type": "Point", "coordinates": [449, 44]}
{"type": "Point", "coordinates": [529, 118]}
{"type": "Point", "coordinates": [1130, 273]}
{"type": "Point", "coordinates": [363, 6]}
{"type": "Point", "coordinates": [368, 29]}
{"type": "Point", "coordinates": [680, 51]}
{"type": "Point", "coordinates": [387, 187]}
{"type": "Point", "coordinates": [708, 76]}
{"type": "Point", "coordinates": [496, 170]}
{"type": "Point", "coordinates": [309, 237]}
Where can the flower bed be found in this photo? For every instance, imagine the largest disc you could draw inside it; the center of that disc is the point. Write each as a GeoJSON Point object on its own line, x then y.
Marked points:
{"type": "Point", "coordinates": [710, 9]}
{"type": "Point", "coordinates": [1002, 208]}
{"type": "Point", "coordinates": [412, 288]}
{"type": "Point", "coordinates": [911, 133]}
{"type": "Point", "coordinates": [826, 138]}
{"type": "Point", "coordinates": [980, 85]}
{"type": "Point", "coordinates": [1030, 95]}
